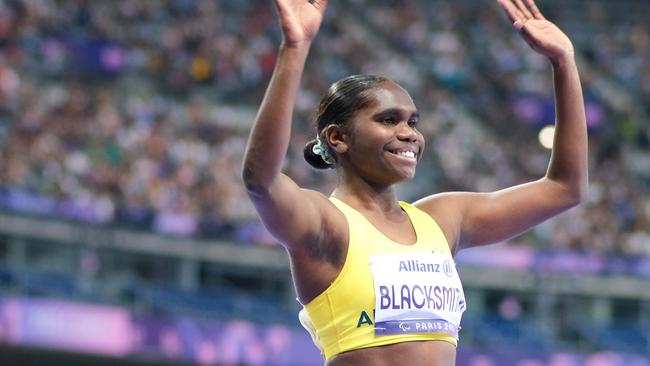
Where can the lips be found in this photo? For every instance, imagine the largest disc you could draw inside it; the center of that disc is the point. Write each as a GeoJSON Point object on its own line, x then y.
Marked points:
{"type": "Point", "coordinates": [410, 153]}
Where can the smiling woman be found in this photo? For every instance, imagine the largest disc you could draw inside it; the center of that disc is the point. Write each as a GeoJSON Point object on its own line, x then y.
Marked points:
{"type": "Point", "coordinates": [361, 119]}
{"type": "Point", "coordinates": [375, 274]}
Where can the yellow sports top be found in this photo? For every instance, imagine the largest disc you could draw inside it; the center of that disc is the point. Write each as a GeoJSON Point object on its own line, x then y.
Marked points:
{"type": "Point", "coordinates": [341, 318]}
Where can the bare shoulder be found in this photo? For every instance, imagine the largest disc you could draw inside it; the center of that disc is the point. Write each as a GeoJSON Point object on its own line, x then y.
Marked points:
{"type": "Point", "coordinates": [442, 201]}
{"type": "Point", "coordinates": [298, 218]}
{"type": "Point", "coordinates": [447, 209]}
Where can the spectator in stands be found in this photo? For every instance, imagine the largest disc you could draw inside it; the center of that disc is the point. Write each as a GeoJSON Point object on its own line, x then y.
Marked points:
{"type": "Point", "coordinates": [135, 154]}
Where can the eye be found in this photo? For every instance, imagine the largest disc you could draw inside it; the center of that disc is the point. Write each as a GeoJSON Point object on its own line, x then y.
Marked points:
{"type": "Point", "coordinates": [389, 120]}
{"type": "Point", "coordinates": [413, 122]}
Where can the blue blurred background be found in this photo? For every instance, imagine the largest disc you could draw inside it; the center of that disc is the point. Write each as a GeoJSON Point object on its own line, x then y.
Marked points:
{"type": "Point", "coordinates": [125, 231]}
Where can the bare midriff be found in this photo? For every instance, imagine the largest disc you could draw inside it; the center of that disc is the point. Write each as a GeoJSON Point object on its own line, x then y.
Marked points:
{"type": "Point", "coordinates": [421, 353]}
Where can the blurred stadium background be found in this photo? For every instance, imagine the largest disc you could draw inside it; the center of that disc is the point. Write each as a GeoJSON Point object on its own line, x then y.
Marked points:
{"type": "Point", "coordinates": [125, 234]}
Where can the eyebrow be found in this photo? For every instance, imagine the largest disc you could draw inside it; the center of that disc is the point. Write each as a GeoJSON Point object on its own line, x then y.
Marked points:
{"type": "Point", "coordinates": [395, 111]}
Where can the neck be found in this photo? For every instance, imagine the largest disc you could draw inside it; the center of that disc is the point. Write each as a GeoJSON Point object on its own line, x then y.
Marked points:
{"type": "Point", "coordinates": [364, 195]}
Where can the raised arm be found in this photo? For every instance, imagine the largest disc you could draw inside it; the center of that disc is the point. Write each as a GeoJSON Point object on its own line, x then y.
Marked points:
{"type": "Point", "coordinates": [472, 219]}
{"type": "Point", "coordinates": [568, 164]}
{"type": "Point", "coordinates": [273, 193]}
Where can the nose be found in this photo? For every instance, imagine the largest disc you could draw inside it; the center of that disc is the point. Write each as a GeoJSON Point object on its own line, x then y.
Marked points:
{"type": "Point", "coordinates": [406, 133]}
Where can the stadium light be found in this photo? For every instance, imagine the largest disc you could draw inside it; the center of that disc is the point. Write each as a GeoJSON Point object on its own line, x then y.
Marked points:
{"type": "Point", "coordinates": [546, 135]}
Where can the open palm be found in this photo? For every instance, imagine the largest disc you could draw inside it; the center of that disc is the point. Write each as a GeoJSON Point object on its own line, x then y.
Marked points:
{"type": "Point", "coordinates": [300, 19]}
{"type": "Point", "coordinates": [542, 35]}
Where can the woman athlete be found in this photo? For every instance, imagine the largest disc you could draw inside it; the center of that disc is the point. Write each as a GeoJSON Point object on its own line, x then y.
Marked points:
{"type": "Point", "coordinates": [375, 275]}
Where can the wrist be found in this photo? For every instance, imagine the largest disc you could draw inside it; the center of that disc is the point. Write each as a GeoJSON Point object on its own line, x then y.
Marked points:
{"type": "Point", "coordinates": [564, 59]}
{"type": "Point", "coordinates": [293, 55]}
{"type": "Point", "coordinates": [295, 45]}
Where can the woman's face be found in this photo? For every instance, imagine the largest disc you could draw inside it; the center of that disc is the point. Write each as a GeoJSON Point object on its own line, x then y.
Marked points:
{"type": "Point", "coordinates": [385, 144]}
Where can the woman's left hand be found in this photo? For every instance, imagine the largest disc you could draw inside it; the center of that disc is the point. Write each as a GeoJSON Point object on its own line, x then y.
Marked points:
{"type": "Point", "coordinates": [542, 35]}
{"type": "Point", "coordinates": [300, 19]}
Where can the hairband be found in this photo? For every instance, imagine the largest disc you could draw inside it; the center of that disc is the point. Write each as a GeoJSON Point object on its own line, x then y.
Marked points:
{"type": "Point", "coordinates": [321, 150]}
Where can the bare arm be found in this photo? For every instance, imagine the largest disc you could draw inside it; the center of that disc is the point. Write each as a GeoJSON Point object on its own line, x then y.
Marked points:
{"type": "Point", "coordinates": [471, 219]}
{"type": "Point", "coordinates": [274, 194]}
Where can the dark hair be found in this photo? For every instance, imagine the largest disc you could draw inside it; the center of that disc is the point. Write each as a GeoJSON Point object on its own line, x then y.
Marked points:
{"type": "Point", "coordinates": [343, 99]}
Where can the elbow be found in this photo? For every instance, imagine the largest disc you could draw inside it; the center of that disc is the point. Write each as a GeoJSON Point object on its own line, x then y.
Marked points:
{"type": "Point", "coordinates": [251, 173]}
{"type": "Point", "coordinates": [581, 189]}
{"type": "Point", "coordinates": [571, 194]}
{"type": "Point", "coordinates": [253, 181]}
{"type": "Point", "coordinates": [575, 199]}
{"type": "Point", "coordinates": [577, 194]}
{"type": "Point", "coordinates": [250, 179]}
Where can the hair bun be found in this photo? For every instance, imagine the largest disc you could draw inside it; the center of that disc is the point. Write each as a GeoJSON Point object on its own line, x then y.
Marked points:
{"type": "Point", "coordinates": [315, 160]}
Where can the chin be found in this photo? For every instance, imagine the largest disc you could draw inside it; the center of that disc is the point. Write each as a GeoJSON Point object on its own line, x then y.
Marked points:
{"type": "Point", "coordinates": [406, 176]}
{"type": "Point", "coordinates": [410, 178]}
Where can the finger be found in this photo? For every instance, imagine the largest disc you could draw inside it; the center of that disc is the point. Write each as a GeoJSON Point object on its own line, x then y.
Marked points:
{"type": "Point", "coordinates": [523, 9]}
{"type": "Point", "coordinates": [319, 4]}
{"type": "Point", "coordinates": [534, 9]}
{"type": "Point", "coordinates": [510, 10]}
{"type": "Point", "coordinates": [513, 13]}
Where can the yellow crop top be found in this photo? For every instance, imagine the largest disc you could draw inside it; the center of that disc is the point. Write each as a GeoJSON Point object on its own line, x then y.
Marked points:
{"type": "Point", "coordinates": [342, 317]}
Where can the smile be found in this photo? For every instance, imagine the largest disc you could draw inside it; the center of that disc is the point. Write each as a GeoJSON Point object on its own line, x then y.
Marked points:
{"type": "Point", "coordinates": [405, 153]}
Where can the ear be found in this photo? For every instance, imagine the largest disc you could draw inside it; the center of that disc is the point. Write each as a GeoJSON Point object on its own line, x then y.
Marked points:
{"type": "Point", "coordinates": [337, 137]}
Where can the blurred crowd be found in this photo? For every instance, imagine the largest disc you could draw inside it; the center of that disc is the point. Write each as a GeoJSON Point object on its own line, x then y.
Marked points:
{"type": "Point", "coordinates": [136, 113]}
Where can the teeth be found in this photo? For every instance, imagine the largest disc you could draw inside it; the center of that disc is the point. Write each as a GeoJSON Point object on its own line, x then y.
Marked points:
{"type": "Point", "coordinates": [408, 154]}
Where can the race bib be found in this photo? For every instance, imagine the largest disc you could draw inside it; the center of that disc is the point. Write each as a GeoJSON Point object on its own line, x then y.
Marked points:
{"type": "Point", "coordinates": [417, 293]}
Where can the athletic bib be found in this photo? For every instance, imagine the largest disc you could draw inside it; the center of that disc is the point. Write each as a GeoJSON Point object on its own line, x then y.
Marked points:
{"type": "Point", "coordinates": [417, 293]}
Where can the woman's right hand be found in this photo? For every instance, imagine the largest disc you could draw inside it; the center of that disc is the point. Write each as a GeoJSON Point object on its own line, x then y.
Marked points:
{"type": "Point", "coordinates": [300, 19]}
